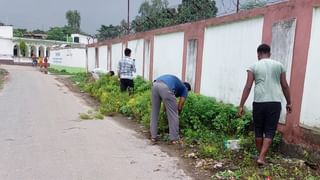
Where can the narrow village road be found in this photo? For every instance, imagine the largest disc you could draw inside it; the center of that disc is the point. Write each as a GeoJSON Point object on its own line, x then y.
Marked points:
{"type": "Point", "coordinates": [42, 137]}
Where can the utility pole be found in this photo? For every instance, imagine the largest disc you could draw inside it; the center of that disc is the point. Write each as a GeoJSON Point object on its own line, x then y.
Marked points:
{"type": "Point", "coordinates": [238, 5]}
{"type": "Point", "coordinates": [128, 20]}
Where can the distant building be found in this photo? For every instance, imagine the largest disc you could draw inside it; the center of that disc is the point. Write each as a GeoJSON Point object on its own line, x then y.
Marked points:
{"type": "Point", "coordinates": [6, 44]}
{"type": "Point", "coordinates": [83, 39]}
{"type": "Point", "coordinates": [35, 36]}
{"type": "Point", "coordinates": [36, 44]}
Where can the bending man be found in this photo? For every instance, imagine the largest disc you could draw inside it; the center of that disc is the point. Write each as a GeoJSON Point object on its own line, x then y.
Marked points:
{"type": "Point", "coordinates": [167, 88]}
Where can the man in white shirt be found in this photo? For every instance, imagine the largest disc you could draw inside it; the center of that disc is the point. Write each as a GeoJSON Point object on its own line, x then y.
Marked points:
{"type": "Point", "coordinates": [270, 81]}
{"type": "Point", "coordinates": [126, 68]}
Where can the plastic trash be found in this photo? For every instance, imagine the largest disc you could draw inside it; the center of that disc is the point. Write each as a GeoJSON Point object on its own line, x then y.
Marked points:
{"type": "Point", "coordinates": [232, 144]}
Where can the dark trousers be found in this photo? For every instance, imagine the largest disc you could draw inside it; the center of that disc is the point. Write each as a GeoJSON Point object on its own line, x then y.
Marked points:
{"type": "Point", "coordinates": [266, 117]}
{"type": "Point", "coordinates": [126, 85]}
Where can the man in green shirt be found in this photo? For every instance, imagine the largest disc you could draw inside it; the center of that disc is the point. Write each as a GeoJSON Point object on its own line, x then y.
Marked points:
{"type": "Point", "coordinates": [270, 86]}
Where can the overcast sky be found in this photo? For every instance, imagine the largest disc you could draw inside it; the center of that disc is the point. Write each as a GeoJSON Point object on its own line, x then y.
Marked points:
{"type": "Point", "coordinates": [43, 14]}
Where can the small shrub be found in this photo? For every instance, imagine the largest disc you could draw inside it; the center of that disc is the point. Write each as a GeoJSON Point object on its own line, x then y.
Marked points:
{"type": "Point", "coordinates": [84, 116]}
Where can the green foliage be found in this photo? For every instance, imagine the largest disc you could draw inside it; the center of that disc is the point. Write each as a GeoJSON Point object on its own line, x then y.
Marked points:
{"type": "Point", "coordinates": [19, 32]}
{"type": "Point", "coordinates": [154, 15]}
{"type": "Point", "coordinates": [228, 174]}
{"type": "Point", "coordinates": [3, 74]}
{"type": "Point", "coordinates": [59, 72]}
{"type": "Point", "coordinates": [107, 32]}
{"type": "Point", "coordinates": [74, 19]}
{"type": "Point", "coordinates": [157, 14]}
{"type": "Point", "coordinates": [205, 124]}
{"type": "Point", "coordinates": [193, 10]}
{"type": "Point", "coordinates": [23, 48]}
{"type": "Point", "coordinates": [85, 116]}
{"type": "Point", "coordinates": [90, 115]}
{"type": "Point", "coordinates": [63, 33]}
{"type": "Point", "coordinates": [202, 112]}
{"type": "Point", "coordinates": [253, 4]}
{"type": "Point", "coordinates": [56, 33]}
{"type": "Point", "coordinates": [203, 120]}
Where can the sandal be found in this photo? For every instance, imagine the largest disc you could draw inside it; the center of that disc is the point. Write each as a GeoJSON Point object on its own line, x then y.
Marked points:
{"type": "Point", "coordinates": [261, 163]}
{"type": "Point", "coordinates": [153, 141]}
{"type": "Point", "coordinates": [174, 142]}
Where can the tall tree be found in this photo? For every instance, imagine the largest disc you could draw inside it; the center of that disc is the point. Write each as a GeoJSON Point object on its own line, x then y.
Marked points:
{"type": "Point", "coordinates": [56, 33]}
{"type": "Point", "coordinates": [23, 48]}
{"type": "Point", "coordinates": [107, 32]}
{"type": "Point", "coordinates": [193, 10]}
{"type": "Point", "coordinates": [74, 20]}
{"type": "Point", "coordinates": [153, 15]}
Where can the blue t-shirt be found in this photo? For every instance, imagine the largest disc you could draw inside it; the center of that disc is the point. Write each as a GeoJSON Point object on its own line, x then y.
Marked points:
{"type": "Point", "coordinates": [174, 83]}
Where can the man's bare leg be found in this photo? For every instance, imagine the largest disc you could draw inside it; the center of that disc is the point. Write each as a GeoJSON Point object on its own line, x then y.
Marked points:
{"type": "Point", "coordinates": [264, 150]}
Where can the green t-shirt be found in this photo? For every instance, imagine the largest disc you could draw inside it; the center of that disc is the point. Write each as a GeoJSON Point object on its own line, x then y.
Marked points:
{"type": "Point", "coordinates": [267, 80]}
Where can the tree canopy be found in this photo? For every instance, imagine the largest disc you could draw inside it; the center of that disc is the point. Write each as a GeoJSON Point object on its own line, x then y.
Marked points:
{"type": "Point", "coordinates": [19, 32]}
{"type": "Point", "coordinates": [157, 14]}
{"type": "Point", "coordinates": [74, 20]}
{"type": "Point", "coordinates": [23, 48]}
{"type": "Point", "coordinates": [194, 10]}
{"type": "Point", "coordinates": [56, 33]}
{"type": "Point", "coordinates": [253, 4]}
{"type": "Point", "coordinates": [154, 15]}
{"type": "Point", "coordinates": [106, 32]}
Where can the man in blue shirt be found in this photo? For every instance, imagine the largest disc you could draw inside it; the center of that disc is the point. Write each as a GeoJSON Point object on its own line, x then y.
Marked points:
{"type": "Point", "coordinates": [166, 88]}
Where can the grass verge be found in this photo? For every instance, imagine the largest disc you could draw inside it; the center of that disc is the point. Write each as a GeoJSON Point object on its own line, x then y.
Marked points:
{"type": "Point", "coordinates": [205, 125]}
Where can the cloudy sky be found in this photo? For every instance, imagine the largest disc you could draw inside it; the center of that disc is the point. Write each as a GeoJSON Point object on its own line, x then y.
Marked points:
{"type": "Point", "coordinates": [43, 14]}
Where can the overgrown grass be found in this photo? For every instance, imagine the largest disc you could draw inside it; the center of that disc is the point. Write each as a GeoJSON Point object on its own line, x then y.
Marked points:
{"type": "Point", "coordinates": [59, 72]}
{"type": "Point", "coordinates": [68, 69]}
{"type": "Point", "coordinates": [3, 74]}
{"type": "Point", "coordinates": [205, 124]}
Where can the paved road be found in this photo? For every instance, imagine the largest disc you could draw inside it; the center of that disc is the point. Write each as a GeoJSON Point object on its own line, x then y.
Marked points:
{"type": "Point", "coordinates": [43, 138]}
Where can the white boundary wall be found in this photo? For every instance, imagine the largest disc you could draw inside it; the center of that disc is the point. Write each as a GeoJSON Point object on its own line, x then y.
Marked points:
{"type": "Point", "coordinates": [116, 56]}
{"type": "Point", "coordinates": [168, 54]}
{"type": "Point", "coordinates": [137, 53]}
{"type": "Point", "coordinates": [229, 49]}
{"type": "Point", "coordinates": [6, 49]}
{"type": "Point", "coordinates": [310, 114]}
{"type": "Point", "coordinates": [103, 57]}
{"type": "Point", "coordinates": [91, 58]}
{"type": "Point", "coordinates": [75, 57]}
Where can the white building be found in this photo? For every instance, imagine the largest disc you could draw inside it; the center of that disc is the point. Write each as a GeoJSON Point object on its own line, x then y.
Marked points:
{"type": "Point", "coordinates": [6, 43]}
{"type": "Point", "coordinates": [83, 39]}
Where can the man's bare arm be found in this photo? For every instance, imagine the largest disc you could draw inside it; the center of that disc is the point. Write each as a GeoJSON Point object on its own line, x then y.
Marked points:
{"type": "Point", "coordinates": [181, 103]}
{"type": "Point", "coordinates": [286, 91]}
{"type": "Point", "coordinates": [246, 91]}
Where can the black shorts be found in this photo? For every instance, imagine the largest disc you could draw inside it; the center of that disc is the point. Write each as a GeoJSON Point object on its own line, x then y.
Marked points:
{"type": "Point", "coordinates": [126, 84]}
{"type": "Point", "coordinates": [266, 118]}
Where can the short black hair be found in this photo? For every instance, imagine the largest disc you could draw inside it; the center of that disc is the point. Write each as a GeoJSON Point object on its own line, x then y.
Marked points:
{"type": "Point", "coordinates": [264, 48]}
{"type": "Point", "coordinates": [127, 52]}
{"type": "Point", "coordinates": [187, 85]}
{"type": "Point", "coordinates": [111, 73]}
